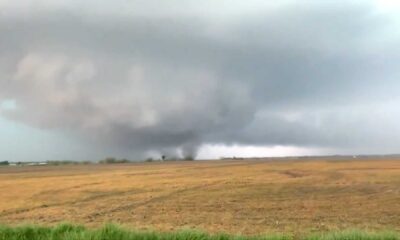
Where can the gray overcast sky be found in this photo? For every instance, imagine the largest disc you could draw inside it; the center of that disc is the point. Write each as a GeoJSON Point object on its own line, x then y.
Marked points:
{"type": "Point", "coordinates": [88, 79]}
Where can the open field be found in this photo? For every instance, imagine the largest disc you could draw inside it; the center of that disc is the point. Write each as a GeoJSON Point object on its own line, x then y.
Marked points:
{"type": "Point", "coordinates": [247, 197]}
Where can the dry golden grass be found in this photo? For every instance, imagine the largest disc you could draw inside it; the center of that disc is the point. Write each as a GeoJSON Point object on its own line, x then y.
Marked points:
{"type": "Point", "coordinates": [248, 197]}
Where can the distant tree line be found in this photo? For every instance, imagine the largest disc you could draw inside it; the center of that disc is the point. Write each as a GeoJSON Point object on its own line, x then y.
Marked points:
{"type": "Point", "coordinates": [66, 162]}
{"type": "Point", "coordinates": [111, 160]}
{"type": "Point", "coordinates": [108, 160]}
{"type": "Point", "coordinates": [4, 163]}
{"type": "Point", "coordinates": [165, 158]}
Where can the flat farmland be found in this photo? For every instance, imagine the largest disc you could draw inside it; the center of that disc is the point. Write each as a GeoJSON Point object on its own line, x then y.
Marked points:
{"type": "Point", "coordinates": [243, 196]}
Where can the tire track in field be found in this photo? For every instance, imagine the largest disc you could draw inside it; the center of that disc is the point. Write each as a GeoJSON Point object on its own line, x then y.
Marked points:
{"type": "Point", "coordinates": [237, 163]}
{"type": "Point", "coordinates": [133, 206]}
{"type": "Point", "coordinates": [6, 213]}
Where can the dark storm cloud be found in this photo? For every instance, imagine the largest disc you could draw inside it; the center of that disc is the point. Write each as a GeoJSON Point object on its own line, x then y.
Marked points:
{"type": "Point", "coordinates": [312, 74]}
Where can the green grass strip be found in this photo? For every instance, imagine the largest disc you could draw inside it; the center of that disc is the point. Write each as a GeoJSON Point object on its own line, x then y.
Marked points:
{"type": "Point", "coordinates": [113, 232]}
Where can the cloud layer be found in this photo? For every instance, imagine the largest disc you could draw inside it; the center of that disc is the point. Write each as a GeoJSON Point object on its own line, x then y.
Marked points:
{"type": "Point", "coordinates": [140, 76]}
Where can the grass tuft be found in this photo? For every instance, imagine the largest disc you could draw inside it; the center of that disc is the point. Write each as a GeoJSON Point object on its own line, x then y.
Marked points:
{"type": "Point", "coordinates": [355, 235]}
